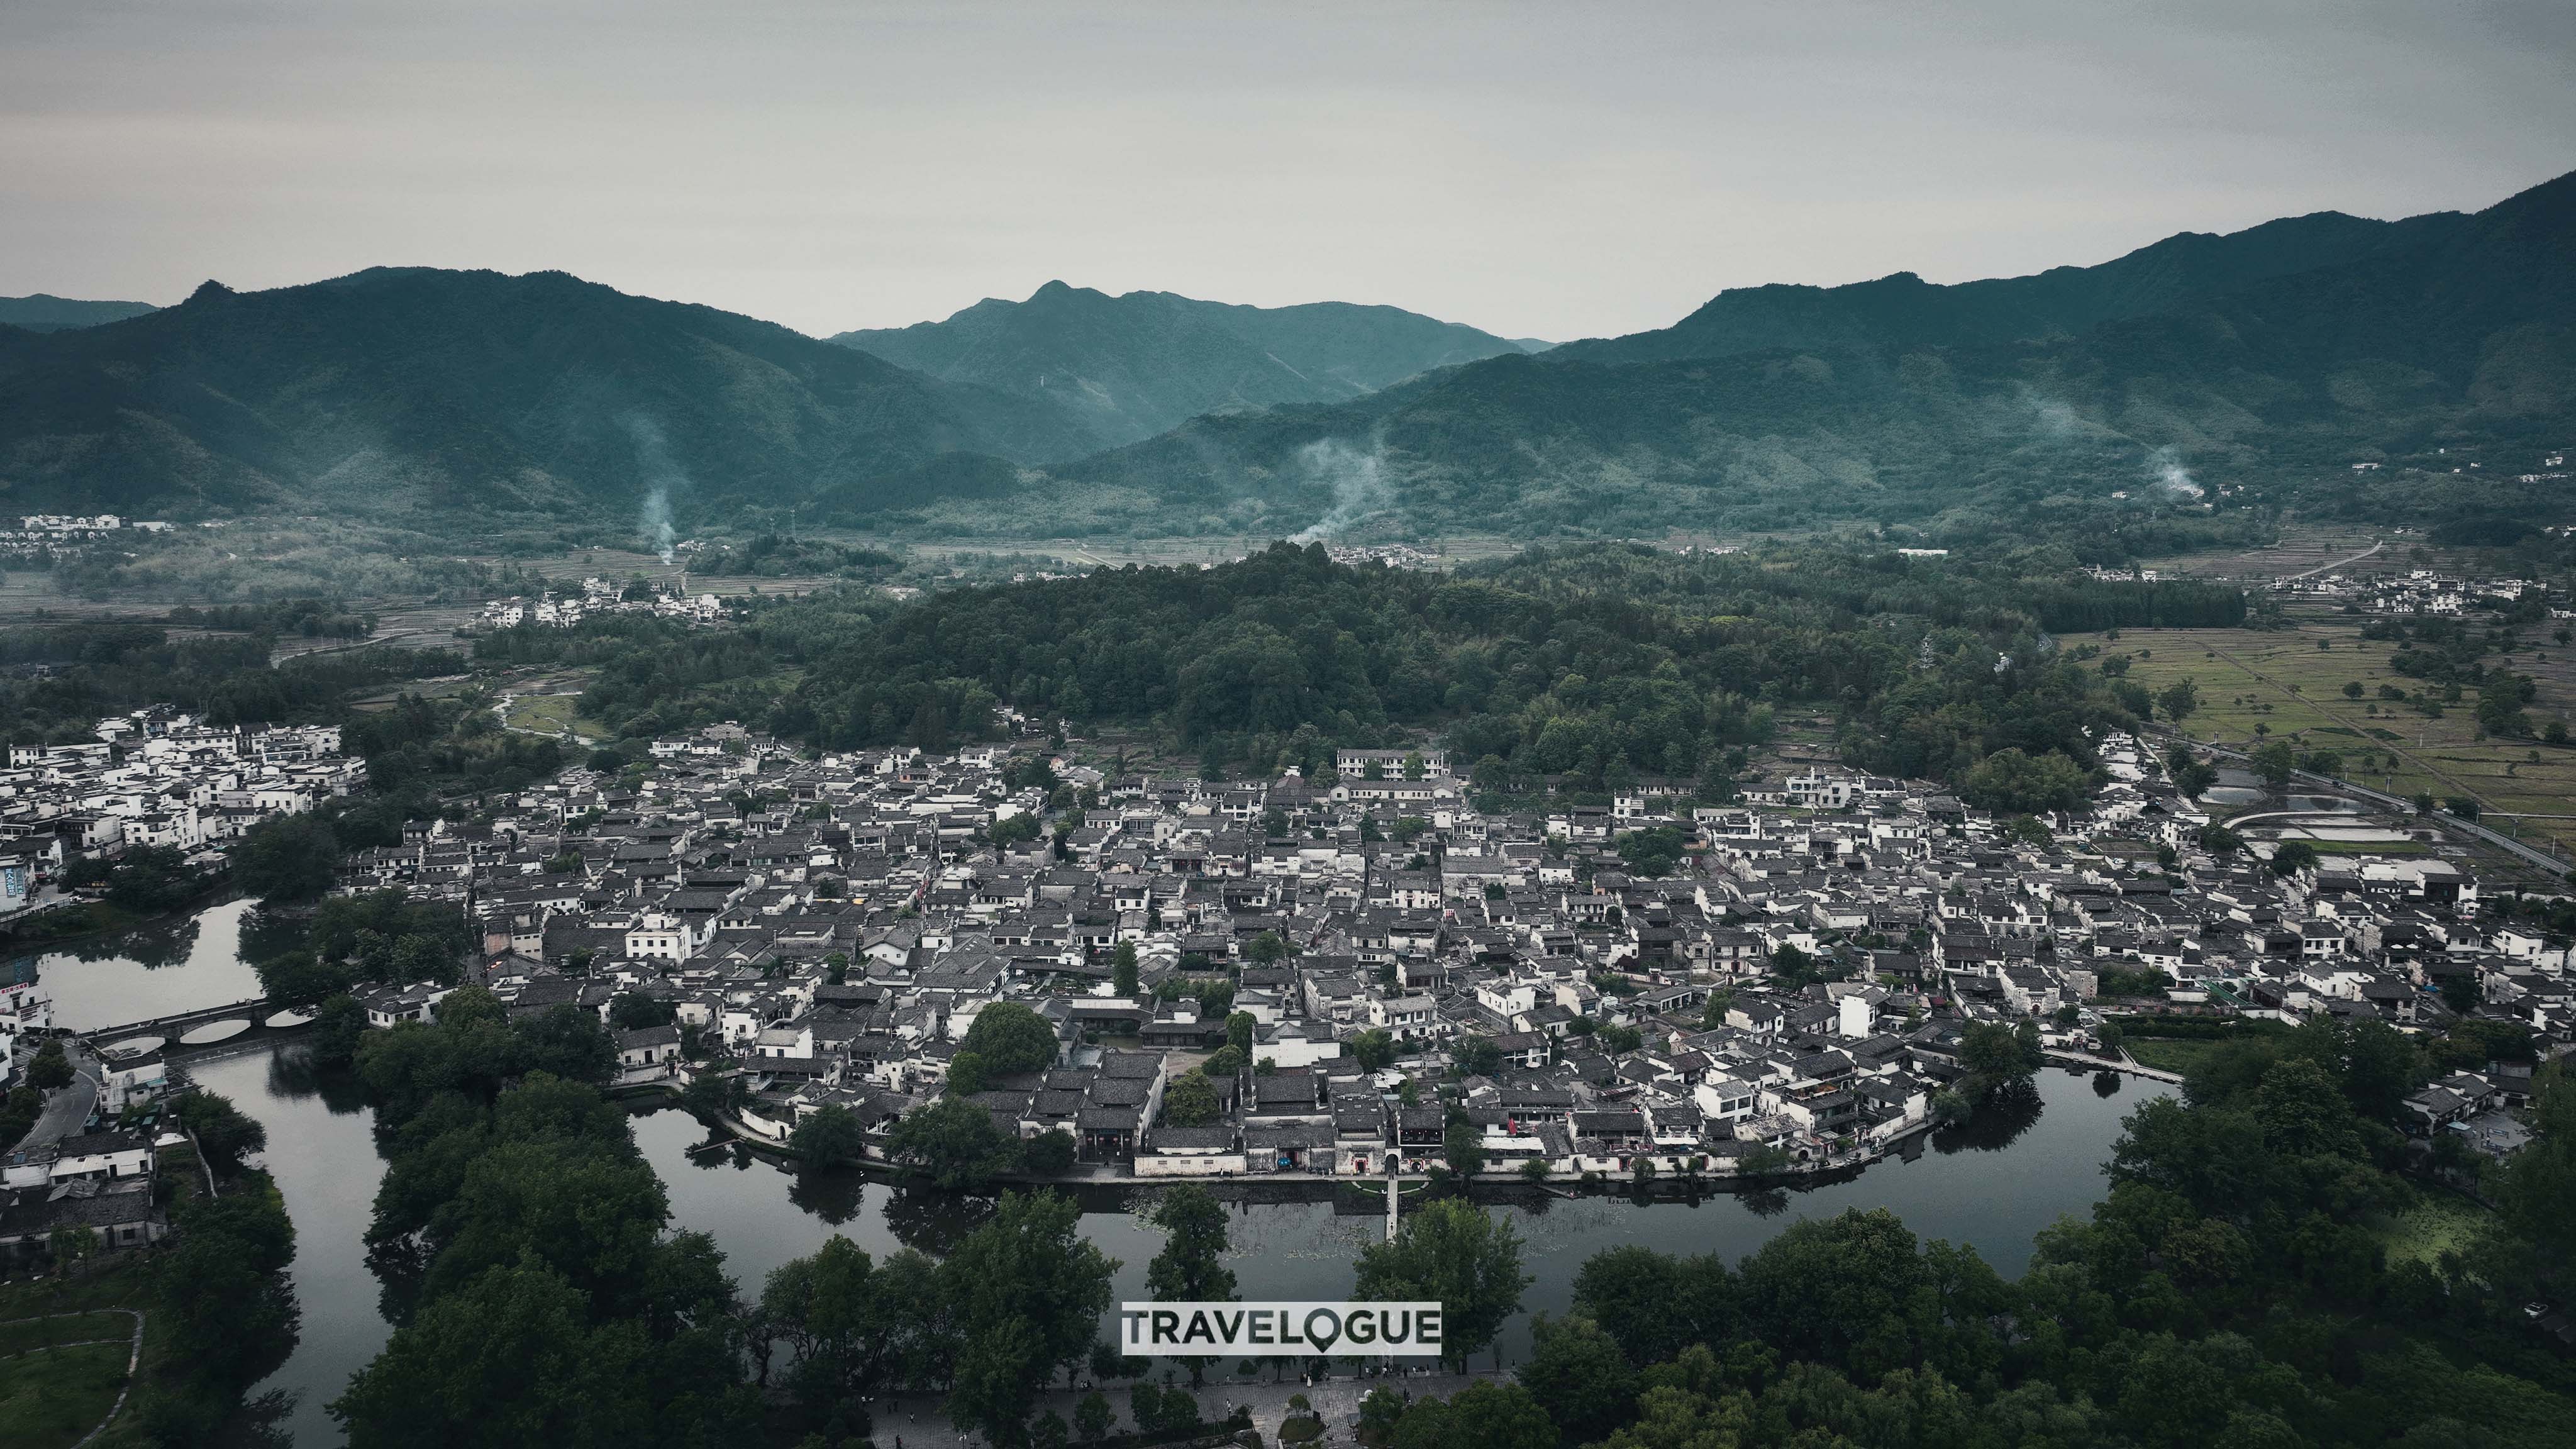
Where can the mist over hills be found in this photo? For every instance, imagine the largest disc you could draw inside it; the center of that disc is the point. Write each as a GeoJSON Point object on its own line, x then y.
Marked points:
{"type": "Point", "coordinates": [2080, 401]}
{"type": "Point", "coordinates": [2221, 358]}
{"type": "Point", "coordinates": [1131, 366]}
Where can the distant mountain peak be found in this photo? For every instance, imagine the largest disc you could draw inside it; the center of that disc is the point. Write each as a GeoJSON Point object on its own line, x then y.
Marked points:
{"type": "Point", "coordinates": [1143, 362]}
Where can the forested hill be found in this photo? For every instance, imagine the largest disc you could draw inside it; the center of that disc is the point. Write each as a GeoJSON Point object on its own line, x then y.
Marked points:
{"type": "Point", "coordinates": [1590, 664]}
{"type": "Point", "coordinates": [2442, 332]}
{"type": "Point", "coordinates": [446, 396]}
{"type": "Point", "coordinates": [1905, 311]}
{"type": "Point", "coordinates": [38, 312]}
{"type": "Point", "coordinates": [1130, 366]}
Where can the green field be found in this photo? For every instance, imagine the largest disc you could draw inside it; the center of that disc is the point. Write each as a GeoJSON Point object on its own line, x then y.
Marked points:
{"type": "Point", "coordinates": [553, 714]}
{"type": "Point", "coordinates": [2258, 684]}
{"type": "Point", "coordinates": [2167, 1055]}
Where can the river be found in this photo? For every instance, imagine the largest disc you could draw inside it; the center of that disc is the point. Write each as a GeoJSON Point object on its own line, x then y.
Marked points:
{"type": "Point", "coordinates": [178, 964]}
{"type": "Point", "coordinates": [1991, 1188]}
{"type": "Point", "coordinates": [323, 1154]}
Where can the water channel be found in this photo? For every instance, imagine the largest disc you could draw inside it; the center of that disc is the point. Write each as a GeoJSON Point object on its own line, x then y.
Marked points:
{"type": "Point", "coordinates": [1992, 1187]}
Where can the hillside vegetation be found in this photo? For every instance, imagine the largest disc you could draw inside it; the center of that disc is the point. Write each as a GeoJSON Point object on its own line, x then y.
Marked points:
{"type": "Point", "coordinates": [1131, 366]}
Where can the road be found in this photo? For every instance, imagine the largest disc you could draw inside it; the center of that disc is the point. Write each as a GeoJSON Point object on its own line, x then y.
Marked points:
{"type": "Point", "coordinates": [2338, 563]}
{"type": "Point", "coordinates": [67, 1110]}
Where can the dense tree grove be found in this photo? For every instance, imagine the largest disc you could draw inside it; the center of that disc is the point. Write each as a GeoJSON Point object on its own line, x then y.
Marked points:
{"type": "Point", "coordinates": [538, 1295]}
{"type": "Point", "coordinates": [2231, 1289]}
{"type": "Point", "coordinates": [222, 1297]}
{"type": "Point", "coordinates": [351, 940]}
{"type": "Point", "coordinates": [86, 670]}
{"type": "Point", "coordinates": [1580, 664]}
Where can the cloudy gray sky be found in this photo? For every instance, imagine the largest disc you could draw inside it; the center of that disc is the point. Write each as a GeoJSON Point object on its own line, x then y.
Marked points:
{"type": "Point", "coordinates": [1556, 170]}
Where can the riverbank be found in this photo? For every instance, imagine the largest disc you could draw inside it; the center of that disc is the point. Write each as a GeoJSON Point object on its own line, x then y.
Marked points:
{"type": "Point", "coordinates": [1990, 1187]}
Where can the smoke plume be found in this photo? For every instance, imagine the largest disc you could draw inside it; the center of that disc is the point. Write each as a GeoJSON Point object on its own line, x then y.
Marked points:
{"type": "Point", "coordinates": [1358, 481]}
{"type": "Point", "coordinates": [2166, 466]}
{"type": "Point", "coordinates": [660, 475]}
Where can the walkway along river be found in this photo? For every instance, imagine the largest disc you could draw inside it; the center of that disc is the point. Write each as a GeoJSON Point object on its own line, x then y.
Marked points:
{"type": "Point", "coordinates": [1992, 1187]}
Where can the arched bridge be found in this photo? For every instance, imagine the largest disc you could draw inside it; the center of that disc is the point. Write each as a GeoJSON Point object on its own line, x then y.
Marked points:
{"type": "Point", "coordinates": [256, 1018]}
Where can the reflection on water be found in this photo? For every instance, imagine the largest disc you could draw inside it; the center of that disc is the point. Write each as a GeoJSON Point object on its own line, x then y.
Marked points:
{"type": "Point", "coordinates": [1997, 1123]}
{"type": "Point", "coordinates": [179, 964]}
{"type": "Point", "coordinates": [321, 1149]}
{"type": "Point", "coordinates": [1991, 1185]}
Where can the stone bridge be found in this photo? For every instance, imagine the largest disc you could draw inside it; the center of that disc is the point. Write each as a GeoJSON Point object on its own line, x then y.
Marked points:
{"type": "Point", "coordinates": [253, 1019]}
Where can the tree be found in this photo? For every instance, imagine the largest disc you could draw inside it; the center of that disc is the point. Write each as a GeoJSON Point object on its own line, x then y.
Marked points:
{"type": "Point", "coordinates": [2179, 700]}
{"type": "Point", "coordinates": [2017, 782]}
{"type": "Point", "coordinates": [1462, 1146]}
{"type": "Point", "coordinates": [287, 858]}
{"type": "Point", "coordinates": [635, 1011]}
{"type": "Point", "coordinates": [1122, 969]}
{"type": "Point", "coordinates": [1484, 1415]}
{"type": "Point", "coordinates": [338, 1023]}
{"type": "Point", "coordinates": [1997, 1055]}
{"type": "Point", "coordinates": [1373, 1049]}
{"type": "Point", "coordinates": [50, 1069]}
{"type": "Point", "coordinates": [1191, 1101]}
{"type": "Point", "coordinates": [509, 1359]}
{"type": "Point", "coordinates": [1191, 1267]}
{"type": "Point", "coordinates": [2275, 761]}
{"type": "Point", "coordinates": [1010, 1039]}
{"type": "Point", "coordinates": [1239, 1030]}
{"type": "Point", "coordinates": [224, 1133]}
{"type": "Point", "coordinates": [2460, 993]}
{"type": "Point", "coordinates": [1093, 1416]}
{"type": "Point", "coordinates": [2292, 856]}
{"type": "Point", "coordinates": [952, 1140]}
{"type": "Point", "coordinates": [829, 1136]}
{"type": "Point", "coordinates": [1224, 1064]}
{"type": "Point", "coordinates": [1027, 1292]}
{"type": "Point", "coordinates": [1579, 1375]}
{"type": "Point", "coordinates": [2537, 1189]}
{"type": "Point", "coordinates": [1049, 1154]}
{"type": "Point", "coordinates": [1453, 1252]}
{"type": "Point", "coordinates": [1478, 1056]}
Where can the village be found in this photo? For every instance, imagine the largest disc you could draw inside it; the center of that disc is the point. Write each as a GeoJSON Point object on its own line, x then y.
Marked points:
{"type": "Point", "coordinates": [1325, 978]}
{"type": "Point", "coordinates": [160, 780]}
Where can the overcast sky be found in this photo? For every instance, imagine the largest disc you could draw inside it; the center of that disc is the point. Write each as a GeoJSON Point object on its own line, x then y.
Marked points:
{"type": "Point", "coordinates": [1554, 170]}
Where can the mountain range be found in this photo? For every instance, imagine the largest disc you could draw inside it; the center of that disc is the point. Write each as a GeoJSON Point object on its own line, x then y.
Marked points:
{"type": "Point", "coordinates": [1131, 366]}
{"type": "Point", "coordinates": [2261, 359]}
{"type": "Point", "coordinates": [2200, 364]}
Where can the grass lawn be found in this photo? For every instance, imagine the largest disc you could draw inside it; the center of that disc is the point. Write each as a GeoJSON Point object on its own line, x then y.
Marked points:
{"type": "Point", "coordinates": [53, 1397]}
{"type": "Point", "coordinates": [553, 714]}
{"type": "Point", "coordinates": [19, 1335]}
{"type": "Point", "coordinates": [2167, 1054]}
{"type": "Point", "coordinates": [126, 1285]}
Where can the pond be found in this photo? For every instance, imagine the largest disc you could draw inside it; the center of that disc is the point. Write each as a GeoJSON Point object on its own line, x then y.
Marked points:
{"type": "Point", "coordinates": [179, 963]}
{"type": "Point", "coordinates": [1991, 1188]}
